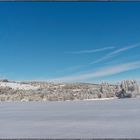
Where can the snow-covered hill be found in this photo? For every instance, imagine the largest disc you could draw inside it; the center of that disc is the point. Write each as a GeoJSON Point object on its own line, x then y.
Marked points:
{"type": "Point", "coordinates": [44, 91]}
{"type": "Point", "coordinates": [20, 86]}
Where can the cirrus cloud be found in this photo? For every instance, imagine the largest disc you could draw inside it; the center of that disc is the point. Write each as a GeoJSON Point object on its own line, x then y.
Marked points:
{"type": "Point", "coordinates": [107, 71]}
{"type": "Point", "coordinates": [91, 51]}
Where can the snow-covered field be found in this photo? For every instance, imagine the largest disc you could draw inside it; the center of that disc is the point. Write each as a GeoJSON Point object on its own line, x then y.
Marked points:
{"type": "Point", "coordinates": [74, 119]}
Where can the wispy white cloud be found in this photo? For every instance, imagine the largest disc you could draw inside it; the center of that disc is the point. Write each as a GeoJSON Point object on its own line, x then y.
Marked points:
{"type": "Point", "coordinates": [91, 51]}
{"type": "Point", "coordinates": [116, 52]}
{"type": "Point", "coordinates": [70, 69]}
{"type": "Point", "coordinates": [107, 71]}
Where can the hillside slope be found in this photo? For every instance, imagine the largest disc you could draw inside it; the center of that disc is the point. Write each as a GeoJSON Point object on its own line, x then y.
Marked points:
{"type": "Point", "coordinates": [44, 91]}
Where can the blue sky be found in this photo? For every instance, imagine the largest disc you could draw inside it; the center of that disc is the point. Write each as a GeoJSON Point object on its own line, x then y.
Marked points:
{"type": "Point", "coordinates": [70, 41]}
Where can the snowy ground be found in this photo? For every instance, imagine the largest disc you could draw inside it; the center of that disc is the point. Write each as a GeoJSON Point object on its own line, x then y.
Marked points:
{"type": "Point", "coordinates": [117, 118]}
